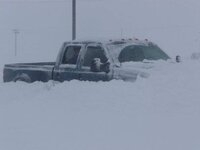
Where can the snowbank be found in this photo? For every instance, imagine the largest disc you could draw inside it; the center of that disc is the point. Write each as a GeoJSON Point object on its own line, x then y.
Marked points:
{"type": "Point", "coordinates": [160, 112]}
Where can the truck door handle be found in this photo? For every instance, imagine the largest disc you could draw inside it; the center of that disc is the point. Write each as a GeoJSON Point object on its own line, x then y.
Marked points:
{"type": "Point", "coordinates": [80, 76]}
{"type": "Point", "coordinates": [57, 75]}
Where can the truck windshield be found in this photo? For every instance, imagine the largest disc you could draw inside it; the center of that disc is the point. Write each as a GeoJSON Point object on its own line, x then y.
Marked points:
{"type": "Point", "coordinates": [141, 52]}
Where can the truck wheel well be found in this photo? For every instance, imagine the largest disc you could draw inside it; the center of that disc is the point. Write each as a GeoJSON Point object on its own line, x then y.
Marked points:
{"type": "Point", "coordinates": [22, 77]}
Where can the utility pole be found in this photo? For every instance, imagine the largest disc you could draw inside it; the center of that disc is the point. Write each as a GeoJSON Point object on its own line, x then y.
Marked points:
{"type": "Point", "coordinates": [73, 19]}
{"type": "Point", "coordinates": [16, 32]}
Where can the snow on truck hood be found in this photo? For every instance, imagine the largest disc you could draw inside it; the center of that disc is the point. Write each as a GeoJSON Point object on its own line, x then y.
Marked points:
{"type": "Point", "coordinates": [130, 71]}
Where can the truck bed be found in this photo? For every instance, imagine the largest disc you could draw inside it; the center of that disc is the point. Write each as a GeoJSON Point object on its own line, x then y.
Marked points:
{"type": "Point", "coordinates": [41, 71]}
{"type": "Point", "coordinates": [34, 65]}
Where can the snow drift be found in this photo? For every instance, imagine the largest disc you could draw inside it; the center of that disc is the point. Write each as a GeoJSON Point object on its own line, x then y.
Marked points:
{"type": "Point", "coordinates": [159, 112]}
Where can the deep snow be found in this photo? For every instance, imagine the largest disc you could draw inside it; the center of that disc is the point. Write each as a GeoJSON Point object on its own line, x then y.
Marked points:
{"type": "Point", "coordinates": [161, 112]}
{"type": "Point", "coordinates": [158, 113]}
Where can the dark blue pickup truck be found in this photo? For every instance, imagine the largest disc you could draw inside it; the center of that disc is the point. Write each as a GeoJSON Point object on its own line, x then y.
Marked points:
{"type": "Point", "coordinates": [88, 60]}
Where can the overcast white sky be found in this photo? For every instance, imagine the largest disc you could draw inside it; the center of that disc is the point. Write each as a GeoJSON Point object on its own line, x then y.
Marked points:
{"type": "Point", "coordinates": [45, 24]}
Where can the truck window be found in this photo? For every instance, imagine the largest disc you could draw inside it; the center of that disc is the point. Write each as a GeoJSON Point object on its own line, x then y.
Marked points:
{"type": "Point", "coordinates": [139, 53]}
{"type": "Point", "coordinates": [131, 53]}
{"type": "Point", "coordinates": [71, 54]}
{"type": "Point", "coordinates": [94, 52]}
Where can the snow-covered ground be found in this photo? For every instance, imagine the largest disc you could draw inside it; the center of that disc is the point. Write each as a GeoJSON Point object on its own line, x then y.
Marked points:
{"type": "Point", "coordinates": [161, 112]}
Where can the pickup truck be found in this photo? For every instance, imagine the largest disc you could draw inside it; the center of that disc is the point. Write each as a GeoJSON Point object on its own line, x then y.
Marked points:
{"type": "Point", "coordinates": [88, 60]}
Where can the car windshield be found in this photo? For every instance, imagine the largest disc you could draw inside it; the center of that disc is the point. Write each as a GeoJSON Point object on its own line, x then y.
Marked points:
{"type": "Point", "coordinates": [137, 53]}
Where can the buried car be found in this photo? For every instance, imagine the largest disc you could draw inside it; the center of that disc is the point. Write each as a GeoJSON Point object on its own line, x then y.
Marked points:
{"type": "Point", "coordinates": [89, 60]}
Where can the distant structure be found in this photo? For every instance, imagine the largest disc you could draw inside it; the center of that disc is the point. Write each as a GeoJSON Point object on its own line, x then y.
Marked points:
{"type": "Point", "coordinates": [73, 19]}
{"type": "Point", "coordinates": [16, 32]}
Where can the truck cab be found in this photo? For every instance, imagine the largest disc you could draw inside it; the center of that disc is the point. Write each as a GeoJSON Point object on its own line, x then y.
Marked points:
{"type": "Point", "coordinates": [75, 59]}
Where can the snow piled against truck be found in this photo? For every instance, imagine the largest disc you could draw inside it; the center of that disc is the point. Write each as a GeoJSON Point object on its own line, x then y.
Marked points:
{"type": "Point", "coordinates": [158, 112]}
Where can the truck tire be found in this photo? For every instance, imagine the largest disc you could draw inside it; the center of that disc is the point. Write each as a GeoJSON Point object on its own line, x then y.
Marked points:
{"type": "Point", "coordinates": [23, 77]}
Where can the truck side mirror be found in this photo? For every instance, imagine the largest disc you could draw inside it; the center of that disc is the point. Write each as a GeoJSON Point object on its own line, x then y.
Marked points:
{"type": "Point", "coordinates": [97, 66]}
{"type": "Point", "coordinates": [105, 67]}
{"type": "Point", "coordinates": [178, 59]}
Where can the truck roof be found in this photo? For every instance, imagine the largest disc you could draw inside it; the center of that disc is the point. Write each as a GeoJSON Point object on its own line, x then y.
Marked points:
{"type": "Point", "coordinates": [134, 41]}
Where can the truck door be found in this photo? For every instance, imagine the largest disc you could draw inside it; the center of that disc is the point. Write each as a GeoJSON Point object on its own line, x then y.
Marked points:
{"type": "Point", "coordinates": [93, 51]}
{"type": "Point", "coordinates": [67, 68]}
